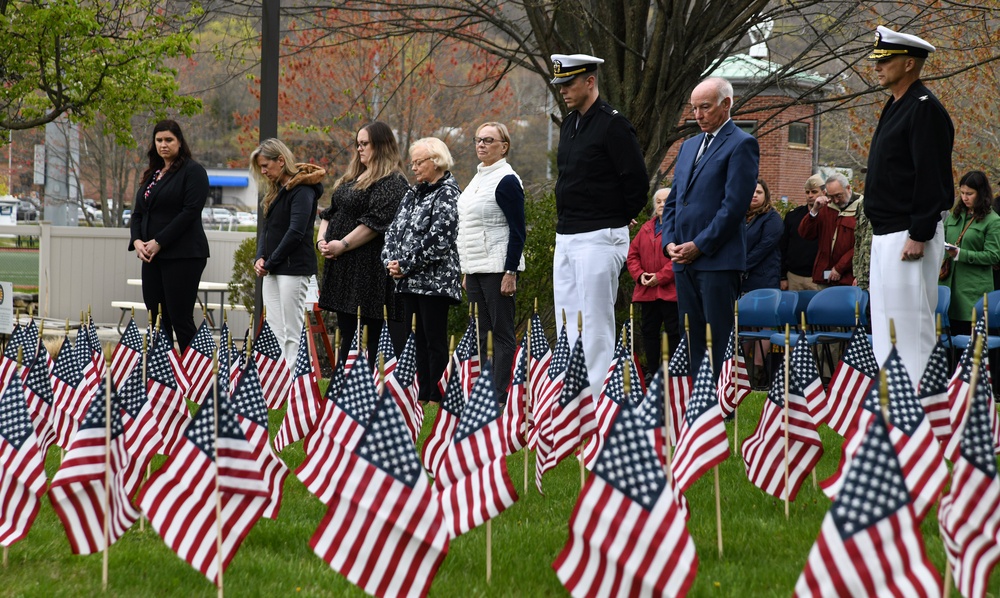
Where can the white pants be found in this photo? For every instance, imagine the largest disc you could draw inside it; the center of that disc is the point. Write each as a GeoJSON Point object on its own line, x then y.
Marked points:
{"type": "Point", "coordinates": [285, 301]}
{"type": "Point", "coordinates": [585, 272]}
{"type": "Point", "coordinates": [905, 292]}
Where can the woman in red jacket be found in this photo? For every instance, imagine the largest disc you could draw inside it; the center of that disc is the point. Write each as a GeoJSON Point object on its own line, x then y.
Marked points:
{"type": "Point", "coordinates": [654, 286]}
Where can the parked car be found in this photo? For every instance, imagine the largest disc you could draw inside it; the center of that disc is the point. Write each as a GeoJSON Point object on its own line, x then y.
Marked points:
{"type": "Point", "coordinates": [246, 218]}
{"type": "Point", "coordinates": [26, 211]}
{"type": "Point", "coordinates": [223, 216]}
{"type": "Point", "coordinates": [126, 217]}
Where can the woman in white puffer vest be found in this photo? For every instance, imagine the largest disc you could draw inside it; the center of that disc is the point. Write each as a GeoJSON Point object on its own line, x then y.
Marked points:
{"type": "Point", "coordinates": [491, 233]}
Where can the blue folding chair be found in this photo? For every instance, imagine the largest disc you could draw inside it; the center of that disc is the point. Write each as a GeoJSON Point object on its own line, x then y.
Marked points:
{"type": "Point", "coordinates": [831, 316]}
{"type": "Point", "coordinates": [961, 341]}
{"type": "Point", "coordinates": [943, 304]}
{"type": "Point", "coordinates": [759, 311]}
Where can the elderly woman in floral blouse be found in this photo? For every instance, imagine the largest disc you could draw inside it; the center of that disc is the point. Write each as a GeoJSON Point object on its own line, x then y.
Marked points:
{"type": "Point", "coordinates": [421, 254]}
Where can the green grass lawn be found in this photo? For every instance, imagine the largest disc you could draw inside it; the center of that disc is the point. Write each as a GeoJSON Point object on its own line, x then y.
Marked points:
{"type": "Point", "coordinates": [763, 556]}
{"type": "Point", "coordinates": [20, 267]}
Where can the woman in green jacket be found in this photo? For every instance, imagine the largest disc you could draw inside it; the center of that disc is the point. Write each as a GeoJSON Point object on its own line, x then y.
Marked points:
{"type": "Point", "coordinates": [972, 245]}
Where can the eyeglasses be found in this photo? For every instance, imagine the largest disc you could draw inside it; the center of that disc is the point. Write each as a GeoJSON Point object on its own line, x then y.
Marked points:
{"type": "Point", "coordinates": [483, 140]}
{"type": "Point", "coordinates": [418, 162]}
{"type": "Point", "coordinates": [363, 144]}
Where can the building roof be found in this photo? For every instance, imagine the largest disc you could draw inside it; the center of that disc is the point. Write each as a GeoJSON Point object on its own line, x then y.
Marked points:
{"type": "Point", "coordinates": [743, 69]}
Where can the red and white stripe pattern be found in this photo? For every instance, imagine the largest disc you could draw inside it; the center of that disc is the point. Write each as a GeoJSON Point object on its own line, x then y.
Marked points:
{"type": "Point", "coordinates": [571, 420]}
{"type": "Point", "coordinates": [853, 377]}
{"type": "Point", "coordinates": [958, 389]}
{"type": "Point", "coordinates": [142, 435]}
{"type": "Point", "coordinates": [304, 399]}
{"type": "Point", "coordinates": [612, 400]}
{"type": "Point", "coordinates": [67, 383]}
{"type": "Point", "coordinates": [78, 492]}
{"type": "Point", "coordinates": [197, 363]}
{"type": "Point", "coordinates": [384, 529]}
{"type": "Point", "coordinates": [969, 515]}
{"type": "Point", "coordinates": [445, 423]}
{"type": "Point", "coordinates": [551, 388]}
{"type": "Point", "coordinates": [472, 479]}
{"type": "Point", "coordinates": [8, 360]}
{"type": "Point", "coordinates": [37, 386]}
{"type": "Point", "coordinates": [627, 536]}
{"type": "Point", "coordinates": [679, 387]}
{"type": "Point", "coordinates": [734, 379]}
{"type": "Point", "coordinates": [22, 465]}
{"type": "Point", "coordinates": [402, 384]}
{"type": "Point", "coordinates": [165, 395]}
{"type": "Point", "coordinates": [933, 392]}
{"type": "Point", "coordinates": [764, 452]}
{"type": "Point", "coordinates": [514, 420]}
{"type": "Point", "coordinates": [275, 377]}
{"type": "Point", "coordinates": [127, 353]}
{"type": "Point", "coordinates": [805, 380]}
{"type": "Point", "coordinates": [180, 498]}
{"type": "Point", "coordinates": [703, 443]}
{"type": "Point", "coordinates": [539, 359]}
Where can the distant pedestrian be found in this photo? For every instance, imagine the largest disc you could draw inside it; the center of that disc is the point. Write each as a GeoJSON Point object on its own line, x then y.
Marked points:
{"type": "Point", "coordinates": [798, 255]}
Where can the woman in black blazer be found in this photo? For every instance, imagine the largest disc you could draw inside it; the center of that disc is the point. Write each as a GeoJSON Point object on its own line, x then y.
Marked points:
{"type": "Point", "coordinates": [167, 234]}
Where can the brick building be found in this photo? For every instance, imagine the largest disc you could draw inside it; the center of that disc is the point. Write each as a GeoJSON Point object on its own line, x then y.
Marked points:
{"type": "Point", "coordinates": [788, 136]}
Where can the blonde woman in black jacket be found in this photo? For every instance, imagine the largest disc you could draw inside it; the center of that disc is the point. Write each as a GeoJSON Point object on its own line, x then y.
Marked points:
{"type": "Point", "coordinates": [166, 231]}
{"type": "Point", "coordinates": [285, 255]}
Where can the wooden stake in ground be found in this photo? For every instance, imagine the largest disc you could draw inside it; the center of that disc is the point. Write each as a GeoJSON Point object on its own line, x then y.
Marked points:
{"type": "Point", "coordinates": [667, 424]}
{"type": "Point", "coordinates": [489, 522]}
{"type": "Point", "coordinates": [527, 395]}
{"type": "Point", "coordinates": [718, 497]}
{"type": "Point", "coordinates": [736, 376]}
{"type": "Point", "coordinates": [149, 466]}
{"type": "Point", "coordinates": [579, 330]}
{"type": "Point", "coordinates": [802, 319]}
{"type": "Point", "coordinates": [788, 355]}
{"type": "Point", "coordinates": [631, 330]}
{"type": "Point", "coordinates": [107, 477]}
{"type": "Point", "coordinates": [218, 492]}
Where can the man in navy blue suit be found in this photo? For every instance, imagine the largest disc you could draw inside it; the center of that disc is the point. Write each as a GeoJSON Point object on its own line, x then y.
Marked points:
{"type": "Point", "coordinates": [703, 231]}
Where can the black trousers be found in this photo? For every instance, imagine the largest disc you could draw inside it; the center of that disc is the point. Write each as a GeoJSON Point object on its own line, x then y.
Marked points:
{"type": "Point", "coordinates": [708, 297]}
{"type": "Point", "coordinates": [496, 314]}
{"type": "Point", "coordinates": [348, 325]}
{"type": "Point", "coordinates": [432, 340]}
{"type": "Point", "coordinates": [654, 315]}
{"type": "Point", "coordinates": [173, 283]}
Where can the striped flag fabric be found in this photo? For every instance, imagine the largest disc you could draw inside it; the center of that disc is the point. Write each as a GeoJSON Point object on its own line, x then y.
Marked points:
{"type": "Point", "coordinates": [679, 387]}
{"type": "Point", "coordinates": [958, 389]}
{"type": "Point", "coordinates": [8, 360]}
{"type": "Point", "coordinates": [918, 452]}
{"type": "Point", "coordinates": [444, 426]}
{"type": "Point", "coordinates": [342, 424]}
{"type": "Point", "coordinates": [233, 356]}
{"type": "Point", "coordinates": [734, 379]}
{"type": "Point", "coordinates": [402, 384]}
{"type": "Point", "coordinates": [764, 450]}
{"type": "Point", "coordinates": [933, 392]}
{"type": "Point", "coordinates": [247, 402]}
{"type": "Point", "coordinates": [303, 399]}
{"type": "Point", "coordinates": [539, 359]}
{"type": "Point", "coordinates": [328, 408]}
{"type": "Point", "coordinates": [572, 418]}
{"type": "Point", "coordinates": [384, 530]}
{"type": "Point", "coordinates": [702, 443]}
{"type": "Point", "coordinates": [67, 383]}
{"type": "Point", "coordinates": [627, 536]}
{"type": "Point", "coordinates": [652, 413]}
{"type": "Point", "coordinates": [78, 492]}
{"type": "Point", "coordinates": [852, 378]}
{"type": "Point", "coordinates": [142, 435]}
{"type": "Point", "coordinates": [127, 353]}
{"type": "Point", "coordinates": [466, 356]}
{"type": "Point", "coordinates": [472, 480]}
{"type": "Point", "coordinates": [91, 356]}
{"type": "Point", "coordinates": [37, 386]}
{"type": "Point", "coordinates": [612, 400]}
{"type": "Point", "coordinates": [275, 377]}
{"type": "Point", "coordinates": [805, 380]}
{"type": "Point", "coordinates": [197, 363]}
{"type": "Point", "coordinates": [180, 497]}
{"type": "Point", "coordinates": [870, 542]}
{"type": "Point", "coordinates": [165, 395]}
{"type": "Point", "coordinates": [969, 515]}
{"type": "Point", "coordinates": [514, 417]}
{"type": "Point", "coordinates": [22, 465]}
{"type": "Point", "coordinates": [387, 353]}
{"type": "Point", "coordinates": [551, 388]}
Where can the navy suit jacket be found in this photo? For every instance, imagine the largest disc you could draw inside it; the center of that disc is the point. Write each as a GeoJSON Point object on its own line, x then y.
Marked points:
{"type": "Point", "coordinates": [708, 202]}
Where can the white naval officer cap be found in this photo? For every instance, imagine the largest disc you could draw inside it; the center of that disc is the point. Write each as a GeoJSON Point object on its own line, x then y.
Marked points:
{"type": "Point", "coordinates": [889, 43]}
{"type": "Point", "coordinates": [567, 66]}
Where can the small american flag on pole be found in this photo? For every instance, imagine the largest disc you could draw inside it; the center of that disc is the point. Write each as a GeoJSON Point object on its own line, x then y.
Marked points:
{"type": "Point", "coordinates": [142, 435]}
{"type": "Point", "coordinates": [275, 377]}
{"type": "Point", "coordinates": [127, 353]}
{"type": "Point", "coordinates": [402, 384]}
{"type": "Point", "coordinates": [703, 443]}
{"type": "Point", "coordinates": [514, 420]}
{"type": "Point", "coordinates": [303, 400]}
{"type": "Point", "coordinates": [539, 359]}
{"type": "Point", "coordinates": [22, 465]}
{"type": "Point", "coordinates": [805, 381]}
{"type": "Point", "coordinates": [612, 400]}
{"type": "Point", "coordinates": [734, 367]}
{"type": "Point", "coordinates": [197, 363]}
{"type": "Point", "coordinates": [443, 429]}
{"type": "Point", "coordinates": [679, 388]}
{"type": "Point", "coordinates": [67, 380]}
{"type": "Point", "coordinates": [958, 388]}
{"type": "Point", "coordinates": [551, 388]}
{"type": "Point", "coordinates": [38, 394]}
{"type": "Point", "coordinates": [8, 361]}
{"type": "Point", "coordinates": [165, 394]}
{"type": "Point", "coordinates": [933, 392]}
{"type": "Point", "coordinates": [851, 381]}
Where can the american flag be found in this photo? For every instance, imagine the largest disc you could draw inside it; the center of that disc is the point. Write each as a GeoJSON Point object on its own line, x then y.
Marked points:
{"type": "Point", "coordinates": [35, 349]}
{"type": "Point", "coordinates": [387, 353]}
{"type": "Point", "coordinates": [9, 359]}
{"type": "Point", "coordinates": [805, 380]}
{"type": "Point", "coordinates": [572, 418]}
{"type": "Point", "coordinates": [247, 402]}
{"type": "Point", "coordinates": [275, 377]}
{"type": "Point", "coordinates": [328, 408]}
{"type": "Point", "coordinates": [613, 399]}
{"type": "Point", "coordinates": [67, 383]}
{"type": "Point", "coordinates": [466, 356]}
{"type": "Point", "coordinates": [969, 515]}
{"type": "Point", "coordinates": [180, 498]}
{"type": "Point", "coordinates": [679, 388]}
{"type": "Point", "coordinates": [197, 363]}
{"type": "Point", "coordinates": [127, 353]}
{"type": "Point", "coordinates": [443, 429]}
{"type": "Point", "coordinates": [472, 479]}
{"type": "Point", "coordinates": [514, 420]}
{"type": "Point", "coordinates": [384, 530]}
{"type": "Point", "coordinates": [626, 535]}
{"type": "Point", "coordinates": [165, 395]}
{"type": "Point", "coordinates": [303, 400]}
{"type": "Point", "coordinates": [236, 358]}
{"type": "Point", "coordinates": [652, 413]}
{"type": "Point", "coordinates": [142, 436]}
{"type": "Point", "coordinates": [933, 392]}
{"type": "Point", "coordinates": [764, 450]}
{"type": "Point", "coordinates": [733, 369]}
{"type": "Point", "coordinates": [539, 359]}
{"type": "Point", "coordinates": [38, 394]}
{"type": "Point", "coordinates": [552, 387]}
{"type": "Point", "coordinates": [958, 389]}
{"type": "Point", "coordinates": [918, 451]}
{"type": "Point", "coordinates": [343, 422]}
{"type": "Point", "coordinates": [91, 356]}
{"type": "Point", "coordinates": [78, 492]}
{"type": "Point", "coordinates": [22, 465]}
{"type": "Point", "coordinates": [870, 542]}
{"type": "Point", "coordinates": [851, 380]}
{"type": "Point", "coordinates": [402, 384]}
{"type": "Point", "coordinates": [702, 443]}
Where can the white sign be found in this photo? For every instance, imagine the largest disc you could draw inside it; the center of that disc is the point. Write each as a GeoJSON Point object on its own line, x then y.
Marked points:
{"type": "Point", "coordinates": [6, 307]}
{"type": "Point", "coordinates": [39, 164]}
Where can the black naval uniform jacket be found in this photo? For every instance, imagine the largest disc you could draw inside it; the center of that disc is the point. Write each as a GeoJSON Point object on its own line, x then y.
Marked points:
{"type": "Point", "coordinates": [602, 174]}
{"type": "Point", "coordinates": [909, 181]}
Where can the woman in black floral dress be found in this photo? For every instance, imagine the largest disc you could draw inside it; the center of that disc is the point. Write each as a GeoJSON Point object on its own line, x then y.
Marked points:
{"type": "Point", "coordinates": [421, 253]}
{"type": "Point", "coordinates": [351, 235]}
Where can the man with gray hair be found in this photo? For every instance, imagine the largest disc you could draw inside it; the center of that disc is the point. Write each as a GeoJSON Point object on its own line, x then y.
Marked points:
{"type": "Point", "coordinates": [831, 222]}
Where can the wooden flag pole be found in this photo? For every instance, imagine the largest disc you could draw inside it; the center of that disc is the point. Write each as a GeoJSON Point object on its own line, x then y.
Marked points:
{"type": "Point", "coordinates": [336, 348]}
{"type": "Point", "coordinates": [583, 468]}
{"type": "Point", "coordinates": [718, 497]}
{"type": "Point", "coordinates": [527, 395]}
{"type": "Point", "coordinates": [815, 481]}
{"type": "Point", "coordinates": [687, 335]}
{"type": "Point", "coordinates": [631, 329]}
{"type": "Point", "coordinates": [359, 331]}
{"type": "Point", "coordinates": [149, 466]}
{"type": "Point", "coordinates": [667, 416]}
{"type": "Point", "coordinates": [736, 375]}
{"type": "Point", "coordinates": [489, 522]}
{"type": "Point", "coordinates": [788, 360]}
{"type": "Point", "coordinates": [107, 478]}
{"type": "Point", "coordinates": [218, 493]}
{"type": "Point", "coordinates": [947, 578]}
